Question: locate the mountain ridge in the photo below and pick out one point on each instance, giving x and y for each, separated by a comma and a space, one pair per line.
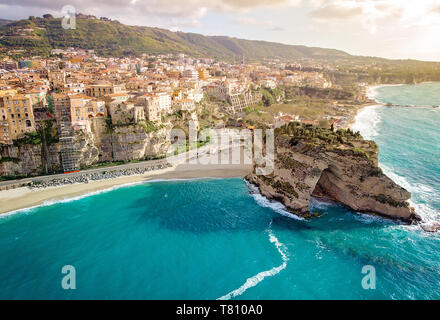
5, 22
112, 38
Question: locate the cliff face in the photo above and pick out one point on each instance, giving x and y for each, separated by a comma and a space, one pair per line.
28, 160
126, 143
337, 166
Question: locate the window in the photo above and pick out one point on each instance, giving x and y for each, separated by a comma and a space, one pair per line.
28, 123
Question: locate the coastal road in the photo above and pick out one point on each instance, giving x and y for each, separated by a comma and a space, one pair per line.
20, 182
179, 161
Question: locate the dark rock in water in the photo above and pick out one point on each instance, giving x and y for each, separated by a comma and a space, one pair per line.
431, 227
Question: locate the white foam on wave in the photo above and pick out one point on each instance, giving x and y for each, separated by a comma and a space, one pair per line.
274, 205
255, 280
367, 121
70, 199
372, 92
368, 218
89, 194
427, 213
321, 203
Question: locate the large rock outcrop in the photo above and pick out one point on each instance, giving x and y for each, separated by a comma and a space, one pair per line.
341, 166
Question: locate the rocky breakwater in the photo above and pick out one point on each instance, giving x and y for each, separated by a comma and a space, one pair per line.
87, 177
339, 166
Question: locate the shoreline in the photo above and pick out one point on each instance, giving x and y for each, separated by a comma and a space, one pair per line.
20, 199
370, 93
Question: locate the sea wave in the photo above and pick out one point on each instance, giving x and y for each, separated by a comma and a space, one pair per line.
369, 218
256, 279
321, 203
367, 122
427, 213
274, 205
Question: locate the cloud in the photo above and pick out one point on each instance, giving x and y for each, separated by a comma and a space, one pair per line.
335, 11
165, 13
252, 22
373, 13
276, 29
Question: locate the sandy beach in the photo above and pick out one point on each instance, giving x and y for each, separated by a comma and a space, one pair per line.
24, 197
370, 92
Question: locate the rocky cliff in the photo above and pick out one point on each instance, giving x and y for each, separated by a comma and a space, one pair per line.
340, 166
27, 160
94, 145
124, 143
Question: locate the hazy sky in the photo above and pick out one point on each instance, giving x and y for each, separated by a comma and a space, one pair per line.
386, 28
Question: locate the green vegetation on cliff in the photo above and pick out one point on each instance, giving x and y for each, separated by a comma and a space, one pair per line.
111, 38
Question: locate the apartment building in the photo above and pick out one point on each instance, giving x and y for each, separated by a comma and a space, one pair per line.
203, 74
16, 117
126, 113
71, 109
79, 110
96, 108
184, 105
104, 88
190, 74
151, 104
164, 102
57, 78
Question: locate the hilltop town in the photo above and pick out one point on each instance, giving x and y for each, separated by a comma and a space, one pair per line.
75, 109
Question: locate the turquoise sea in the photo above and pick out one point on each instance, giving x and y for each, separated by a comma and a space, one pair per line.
211, 238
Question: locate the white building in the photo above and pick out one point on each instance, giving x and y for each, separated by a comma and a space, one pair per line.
190, 74
164, 102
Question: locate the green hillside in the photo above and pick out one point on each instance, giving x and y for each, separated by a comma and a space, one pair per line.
116, 39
